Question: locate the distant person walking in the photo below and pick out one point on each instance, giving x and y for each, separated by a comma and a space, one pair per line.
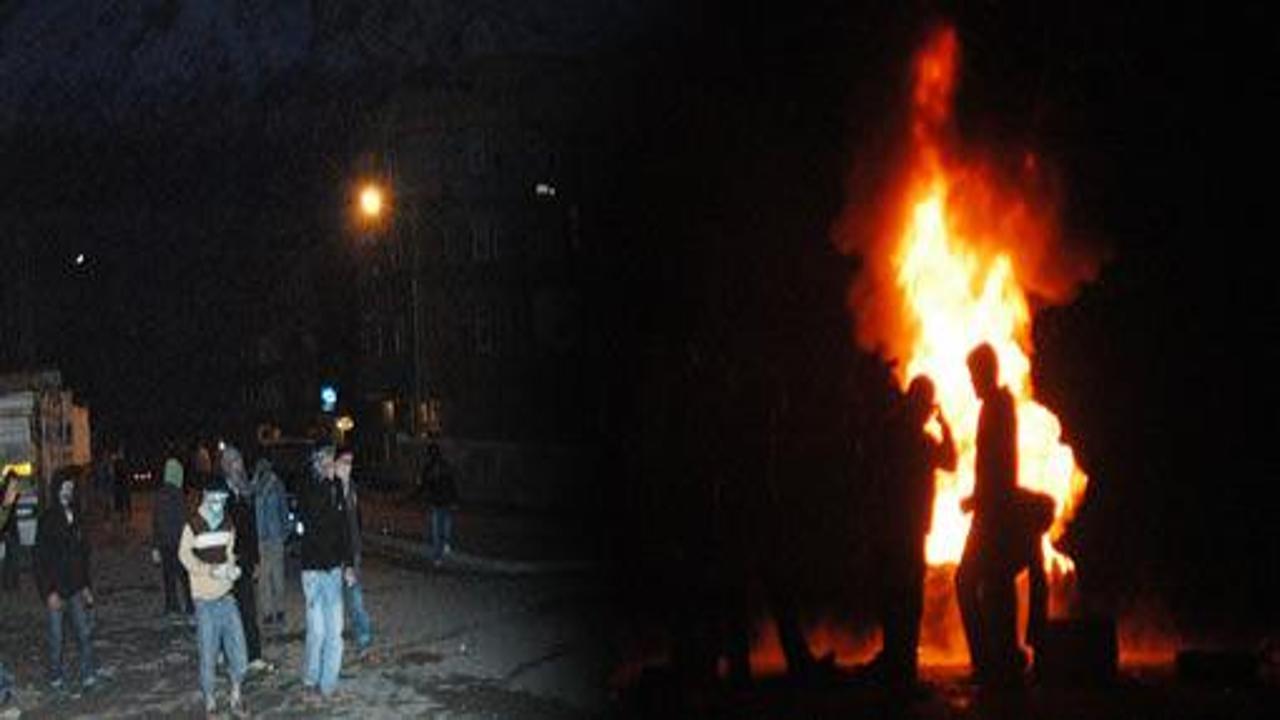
985, 577
273, 529
353, 591
104, 487
123, 492
207, 551
62, 575
168, 518
326, 565
437, 484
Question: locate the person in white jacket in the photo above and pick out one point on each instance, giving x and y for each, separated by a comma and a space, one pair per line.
207, 551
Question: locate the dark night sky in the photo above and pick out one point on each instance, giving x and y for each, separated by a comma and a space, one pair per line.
749, 121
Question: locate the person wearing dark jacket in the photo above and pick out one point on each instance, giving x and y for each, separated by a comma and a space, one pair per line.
10, 498
441, 492
353, 590
985, 589
327, 563
19, 515
167, 521
244, 518
906, 498
273, 529
62, 576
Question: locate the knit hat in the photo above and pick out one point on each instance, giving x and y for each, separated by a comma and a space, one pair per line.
215, 485
173, 473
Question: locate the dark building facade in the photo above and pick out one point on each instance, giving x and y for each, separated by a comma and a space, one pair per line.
475, 319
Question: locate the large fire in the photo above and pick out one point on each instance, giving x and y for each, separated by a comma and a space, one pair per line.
955, 266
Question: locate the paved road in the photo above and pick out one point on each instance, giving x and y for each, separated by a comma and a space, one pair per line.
450, 644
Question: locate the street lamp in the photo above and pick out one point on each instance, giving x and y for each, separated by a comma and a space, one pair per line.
373, 209
371, 201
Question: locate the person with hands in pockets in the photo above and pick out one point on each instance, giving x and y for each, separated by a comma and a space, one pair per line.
62, 574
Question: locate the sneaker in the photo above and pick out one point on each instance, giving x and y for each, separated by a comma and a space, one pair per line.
57, 684
237, 704
210, 706
261, 666
339, 696
311, 697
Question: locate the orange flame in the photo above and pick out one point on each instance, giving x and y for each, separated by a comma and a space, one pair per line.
953, 268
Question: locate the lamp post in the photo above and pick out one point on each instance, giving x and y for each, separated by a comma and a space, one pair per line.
371, 201
374, 208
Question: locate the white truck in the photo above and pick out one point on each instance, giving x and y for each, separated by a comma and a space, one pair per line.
42, 430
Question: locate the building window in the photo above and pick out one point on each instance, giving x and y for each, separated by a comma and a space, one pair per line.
484, 240
397, 338
479, 152
495, 241
485, 330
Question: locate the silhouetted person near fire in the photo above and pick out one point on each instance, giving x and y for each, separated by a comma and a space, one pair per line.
907, 495
985, 578
1034, 515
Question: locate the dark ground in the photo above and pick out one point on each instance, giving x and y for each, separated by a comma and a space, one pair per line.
1141, 692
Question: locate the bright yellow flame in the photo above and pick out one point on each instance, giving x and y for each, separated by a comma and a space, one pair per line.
22, 469
371, 201
955, 273
958, 300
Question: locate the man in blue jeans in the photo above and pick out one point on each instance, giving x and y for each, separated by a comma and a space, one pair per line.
62, 574
353, 591
437, 484
326, 564
207, 551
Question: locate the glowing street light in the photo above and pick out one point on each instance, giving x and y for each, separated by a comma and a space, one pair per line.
371, 201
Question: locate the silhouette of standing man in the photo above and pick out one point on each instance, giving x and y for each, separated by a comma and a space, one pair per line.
907, 501
985, 579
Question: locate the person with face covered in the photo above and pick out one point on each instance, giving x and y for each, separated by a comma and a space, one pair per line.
244, 518
207, 551
168, 517
62, 575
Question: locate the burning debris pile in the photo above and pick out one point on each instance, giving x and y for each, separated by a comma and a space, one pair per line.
957, 251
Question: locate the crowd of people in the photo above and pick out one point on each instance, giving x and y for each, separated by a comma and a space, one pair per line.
221, 556
727, 574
